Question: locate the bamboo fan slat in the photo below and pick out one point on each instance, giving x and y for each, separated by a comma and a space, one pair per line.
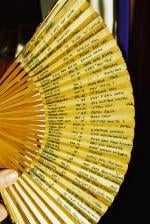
66, 120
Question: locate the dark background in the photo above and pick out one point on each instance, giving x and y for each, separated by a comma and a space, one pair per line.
132, 203
18, 21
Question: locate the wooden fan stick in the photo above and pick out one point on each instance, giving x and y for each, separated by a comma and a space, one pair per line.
76, 39
7, 73
25, 206
26, 112
19, 141
51, 60
40, 122
23, 81
44, 206
60, 172
52, 22
39, 106
29, 102
67, 172
57, 212
81, 194
29, 152
26, 186
44, 27
88, 14
25, 130
31, 220
24, 141
28, 137
12, 146
23, 84
51, 42
46, 181
15, 80
22, 186
10, 162
21, 218
32, 116
11, 203
22, 95
29, 128
10, 76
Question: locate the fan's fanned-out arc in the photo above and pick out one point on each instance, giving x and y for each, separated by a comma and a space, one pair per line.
66, 120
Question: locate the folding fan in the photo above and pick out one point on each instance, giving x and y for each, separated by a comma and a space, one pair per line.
66, 120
